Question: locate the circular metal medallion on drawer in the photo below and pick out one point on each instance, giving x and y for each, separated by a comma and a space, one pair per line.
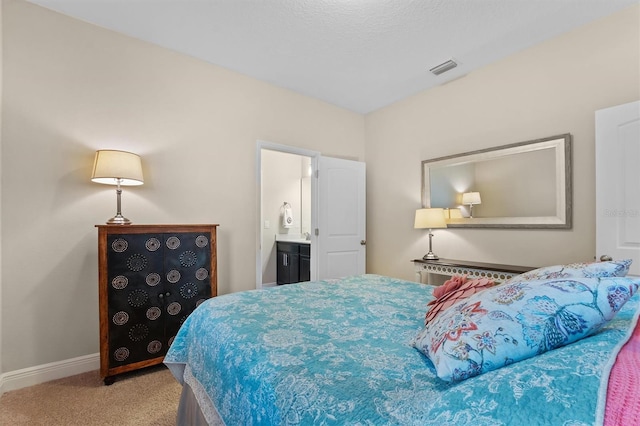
153, 313
137, 262
173, 243
153, 279
120, 318
173, 276
189, 290
202, 274
154, 347
201, 241
137, 298
119, 282
119, 245
138, 332
174, 308
152, 244
121, 354
188, 258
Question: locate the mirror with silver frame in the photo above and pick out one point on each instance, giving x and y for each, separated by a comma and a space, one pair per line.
520, 185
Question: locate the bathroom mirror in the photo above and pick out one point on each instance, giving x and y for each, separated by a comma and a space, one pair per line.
520, 185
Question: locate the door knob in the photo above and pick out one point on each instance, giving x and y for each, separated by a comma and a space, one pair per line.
606, 258
363, 242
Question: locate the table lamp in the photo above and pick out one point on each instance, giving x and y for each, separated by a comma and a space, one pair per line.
430, 219
452, 213
471, 198
119, 168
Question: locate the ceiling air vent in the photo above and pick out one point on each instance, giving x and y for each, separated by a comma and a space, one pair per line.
444, 67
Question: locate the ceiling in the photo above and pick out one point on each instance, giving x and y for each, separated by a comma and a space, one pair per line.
358, 54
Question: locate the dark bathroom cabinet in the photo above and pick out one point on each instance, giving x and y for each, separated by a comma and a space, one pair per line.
293, 262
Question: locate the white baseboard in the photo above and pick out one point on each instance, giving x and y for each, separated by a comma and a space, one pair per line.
267, 285
44, 373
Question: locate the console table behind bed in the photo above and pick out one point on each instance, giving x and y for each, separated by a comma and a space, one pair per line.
426, 270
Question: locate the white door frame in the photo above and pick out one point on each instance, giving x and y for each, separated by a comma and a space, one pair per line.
314, 155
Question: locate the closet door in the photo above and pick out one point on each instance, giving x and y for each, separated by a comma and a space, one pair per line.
618, 183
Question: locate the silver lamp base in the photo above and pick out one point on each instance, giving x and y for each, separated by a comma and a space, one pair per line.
431, 255
118, 220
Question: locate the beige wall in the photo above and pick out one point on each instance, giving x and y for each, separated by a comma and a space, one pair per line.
549, 89
72, 88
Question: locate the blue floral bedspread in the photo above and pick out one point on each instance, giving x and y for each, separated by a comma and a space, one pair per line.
338, 352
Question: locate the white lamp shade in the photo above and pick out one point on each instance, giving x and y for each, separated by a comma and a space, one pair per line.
471, 198
430, 218
109, 166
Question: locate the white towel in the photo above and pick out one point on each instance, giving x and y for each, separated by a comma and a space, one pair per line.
287, 217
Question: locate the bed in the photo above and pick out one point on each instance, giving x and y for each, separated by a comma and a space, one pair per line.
343, 352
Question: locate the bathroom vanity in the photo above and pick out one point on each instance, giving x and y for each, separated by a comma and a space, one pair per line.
294, 260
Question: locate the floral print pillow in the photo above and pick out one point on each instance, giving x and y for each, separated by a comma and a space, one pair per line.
452, 291
518, 320
612, 268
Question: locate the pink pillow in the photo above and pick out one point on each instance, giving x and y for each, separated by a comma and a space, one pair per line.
452, 291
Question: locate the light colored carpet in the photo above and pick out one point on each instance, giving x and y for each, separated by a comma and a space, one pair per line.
145, 397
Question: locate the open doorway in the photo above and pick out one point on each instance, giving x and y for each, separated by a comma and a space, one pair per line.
284, 177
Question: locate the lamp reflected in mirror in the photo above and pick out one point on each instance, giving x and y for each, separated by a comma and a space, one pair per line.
471, 199
430, 219
452, 213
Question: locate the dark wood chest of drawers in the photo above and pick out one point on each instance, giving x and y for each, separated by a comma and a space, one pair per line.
151, 277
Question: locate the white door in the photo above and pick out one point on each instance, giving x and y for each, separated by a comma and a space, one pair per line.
618, 183
341, 218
